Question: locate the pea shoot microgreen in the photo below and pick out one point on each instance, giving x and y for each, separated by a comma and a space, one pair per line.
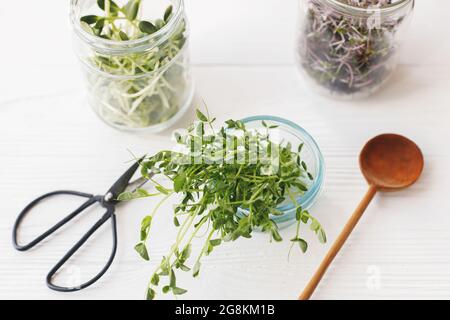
222, 195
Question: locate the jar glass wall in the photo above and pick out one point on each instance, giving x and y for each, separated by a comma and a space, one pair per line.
137, 83
349, 48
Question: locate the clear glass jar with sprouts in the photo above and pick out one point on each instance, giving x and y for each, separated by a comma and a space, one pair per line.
349, 48
135, 60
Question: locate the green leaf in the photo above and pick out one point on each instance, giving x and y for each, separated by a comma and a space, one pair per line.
231, 124
208, 249
186, 253
145, 227
298, 214
137, 194
150, 294
168, 13
178, 291
131, 9
142, 193
113, 7
276, 235
300, 147
90, 19
200, 129
147, 27
155, 279
215, 242
185, 268
288, 147
99, 25
240, 125
322, 236
315, 226
303, 245
159, 24
177, 137
166, 289
196, 269
304, 166
142, 250
165, 269
86, 27
172, 279
176, 222
276, 212
162, 190
264, 124
201, 116
305, 218
123, 36
179, 181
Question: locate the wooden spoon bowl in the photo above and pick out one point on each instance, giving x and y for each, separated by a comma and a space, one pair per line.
391, 162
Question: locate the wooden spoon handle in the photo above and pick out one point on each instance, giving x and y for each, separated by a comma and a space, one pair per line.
338, 243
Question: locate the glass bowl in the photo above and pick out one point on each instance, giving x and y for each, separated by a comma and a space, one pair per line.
288, 131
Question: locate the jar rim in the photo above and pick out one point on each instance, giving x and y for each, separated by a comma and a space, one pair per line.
127, 45
385, 10
308, 198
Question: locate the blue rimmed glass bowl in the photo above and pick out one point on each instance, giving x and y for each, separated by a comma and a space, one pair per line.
288, 131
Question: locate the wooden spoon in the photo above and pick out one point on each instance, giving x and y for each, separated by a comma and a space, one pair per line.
389, 162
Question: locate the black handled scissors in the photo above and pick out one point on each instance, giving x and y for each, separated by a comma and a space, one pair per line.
107, 201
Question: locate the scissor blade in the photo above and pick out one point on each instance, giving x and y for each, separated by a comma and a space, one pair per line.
138, 183
122, 183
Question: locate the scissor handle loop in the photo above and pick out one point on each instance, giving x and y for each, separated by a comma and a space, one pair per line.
108, 215
91, 200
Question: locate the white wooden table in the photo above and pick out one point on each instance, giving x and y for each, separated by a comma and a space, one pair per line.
242, 53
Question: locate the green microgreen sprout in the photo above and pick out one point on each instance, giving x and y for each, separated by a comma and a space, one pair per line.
155, 79
348, 54
227, 189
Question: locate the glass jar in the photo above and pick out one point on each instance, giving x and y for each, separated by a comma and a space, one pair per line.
349, 48
289, 132
139, 84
